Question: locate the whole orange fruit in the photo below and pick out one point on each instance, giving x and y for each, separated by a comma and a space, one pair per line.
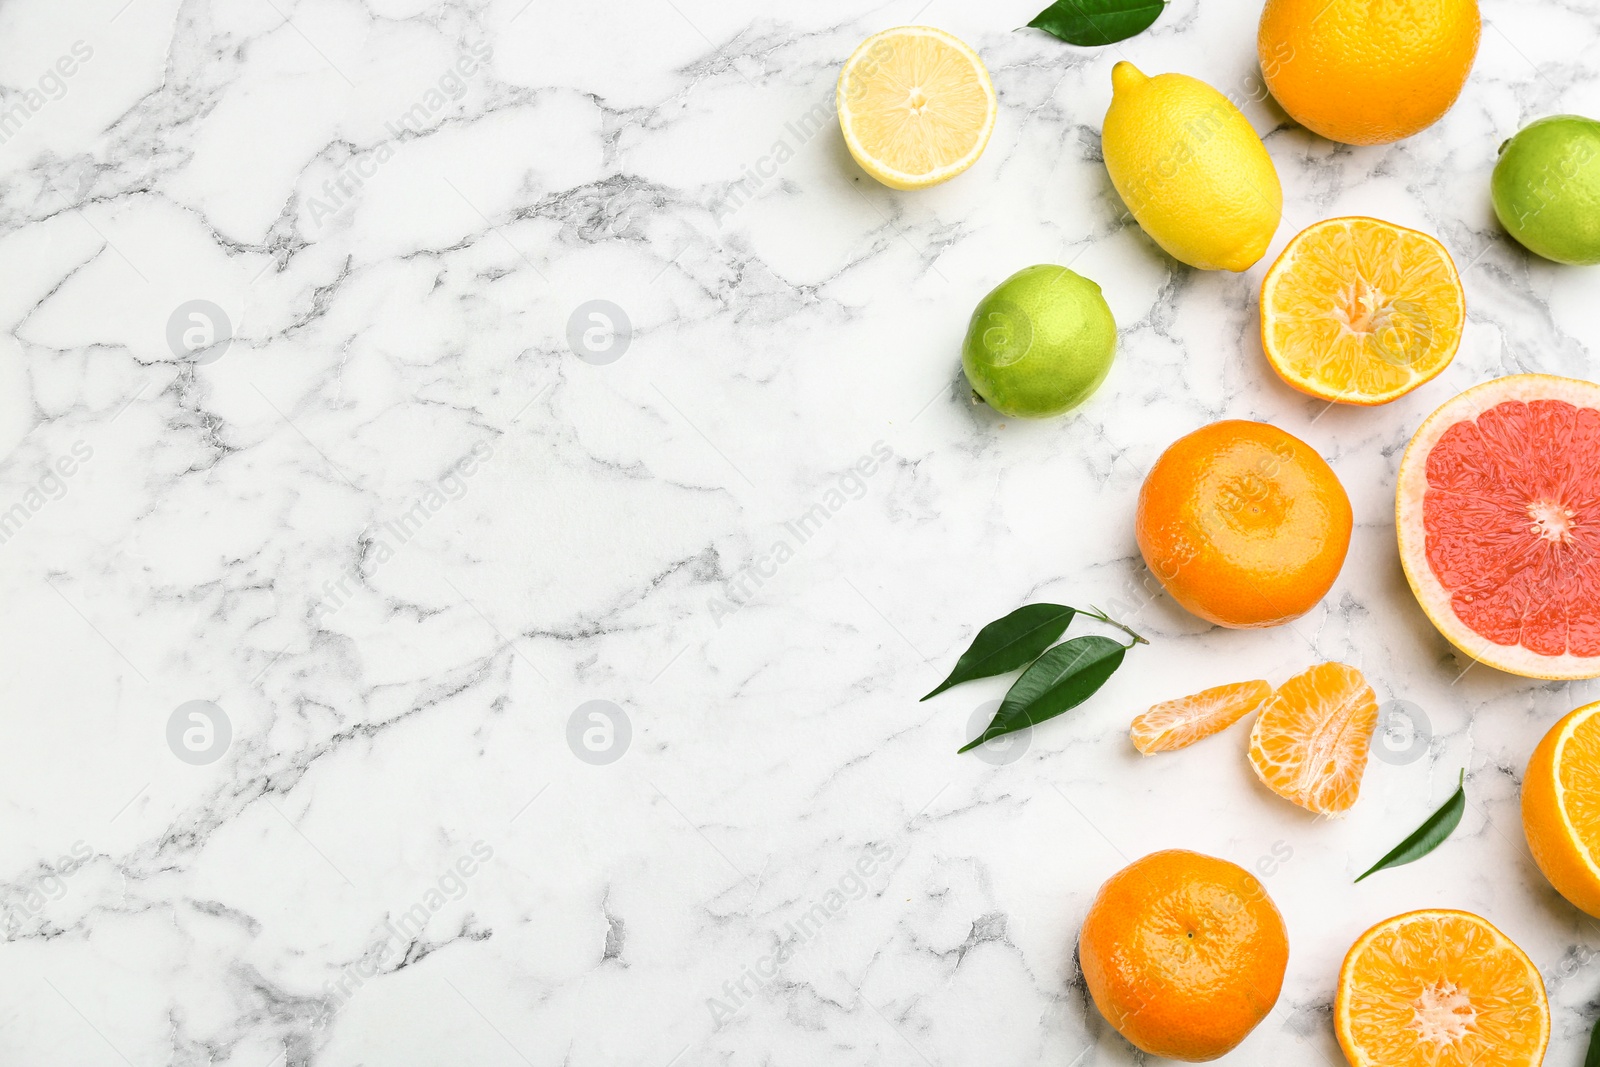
1183, 954
1244, 524
1367, 71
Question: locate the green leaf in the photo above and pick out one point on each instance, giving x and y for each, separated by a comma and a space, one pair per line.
1098, 22
1593, 1058
1008, 643
1058, 681
1431, 834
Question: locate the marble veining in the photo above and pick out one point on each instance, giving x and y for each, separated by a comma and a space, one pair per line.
485, 484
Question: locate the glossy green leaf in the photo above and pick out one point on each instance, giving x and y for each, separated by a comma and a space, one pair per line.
1593, 1058
1430, 835
1058, 681
1098, 22
1008, 643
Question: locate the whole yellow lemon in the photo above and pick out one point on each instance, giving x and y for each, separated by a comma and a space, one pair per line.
1190, 169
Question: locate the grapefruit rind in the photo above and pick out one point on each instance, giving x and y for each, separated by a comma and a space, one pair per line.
1431, 593
1342, 1019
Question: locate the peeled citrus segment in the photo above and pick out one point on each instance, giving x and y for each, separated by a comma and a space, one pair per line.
1361, 311
1561, 807
1440, 989
1175, 724
916, 106
1310, 742
1498, 516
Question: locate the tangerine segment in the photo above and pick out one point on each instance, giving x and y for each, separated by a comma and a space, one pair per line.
1440, 989
916, 106
1361, 311
1310, 742
1561, 807
1498, 513
1175, 724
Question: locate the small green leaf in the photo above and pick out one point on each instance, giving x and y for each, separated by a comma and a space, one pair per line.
1098, 22
1593, 1058
1008, 643
1431, 834
1058, 681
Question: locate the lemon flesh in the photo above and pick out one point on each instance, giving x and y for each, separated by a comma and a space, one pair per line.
916, 106
1191, 170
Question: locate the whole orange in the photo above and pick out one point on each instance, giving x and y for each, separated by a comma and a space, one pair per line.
1367, 71
1244, 524
1183, 954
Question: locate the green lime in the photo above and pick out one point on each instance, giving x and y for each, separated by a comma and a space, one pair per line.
1547, 188
1040, 343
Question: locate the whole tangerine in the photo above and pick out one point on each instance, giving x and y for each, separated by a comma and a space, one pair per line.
1183, 954
1244, 524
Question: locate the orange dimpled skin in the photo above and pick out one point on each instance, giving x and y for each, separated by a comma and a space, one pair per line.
1244, 524
1367, 71
1183, 954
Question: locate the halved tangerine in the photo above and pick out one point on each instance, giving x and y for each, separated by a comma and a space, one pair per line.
1310, 742
1498, 518
1440, 989
1174, 724
1361, 311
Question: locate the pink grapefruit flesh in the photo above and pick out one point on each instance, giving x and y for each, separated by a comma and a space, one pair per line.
1498, 516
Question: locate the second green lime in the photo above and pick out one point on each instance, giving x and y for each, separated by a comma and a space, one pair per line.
1040, 343
1547, 188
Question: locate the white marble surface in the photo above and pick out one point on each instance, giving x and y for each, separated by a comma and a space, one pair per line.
397, 532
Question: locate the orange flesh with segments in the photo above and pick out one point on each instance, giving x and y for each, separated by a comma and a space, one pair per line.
1311, 740
1440, 989
1175, 724
1361, 311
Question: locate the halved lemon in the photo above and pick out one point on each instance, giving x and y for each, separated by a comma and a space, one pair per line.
1561, 807
916, 106
1361, 311
1440, 989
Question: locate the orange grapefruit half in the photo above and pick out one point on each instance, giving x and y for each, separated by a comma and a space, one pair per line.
1498, 517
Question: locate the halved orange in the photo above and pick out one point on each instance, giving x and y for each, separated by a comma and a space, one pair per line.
1310, 742
1561, 807
1174, 724
916, 106
1440, 989
1361, 311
